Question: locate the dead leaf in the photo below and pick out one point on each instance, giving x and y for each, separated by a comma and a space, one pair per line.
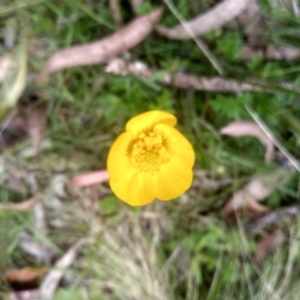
256, 207
257, 189
248, 128
5, 64
24, 275
51, 280
103, 50
14, 83
268, 245
91, 178
214, 19
25, 205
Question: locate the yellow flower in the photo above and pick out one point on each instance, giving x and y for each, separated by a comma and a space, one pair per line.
151, 159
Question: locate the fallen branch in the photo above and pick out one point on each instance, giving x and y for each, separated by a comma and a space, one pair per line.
182, 80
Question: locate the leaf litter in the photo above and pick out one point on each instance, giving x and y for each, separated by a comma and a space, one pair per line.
258, 189
24, 275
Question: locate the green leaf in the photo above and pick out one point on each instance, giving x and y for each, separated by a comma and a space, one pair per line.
109, 204
14, 83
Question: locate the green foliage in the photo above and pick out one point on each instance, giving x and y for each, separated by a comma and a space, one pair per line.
109, 205
229, 108
229, 45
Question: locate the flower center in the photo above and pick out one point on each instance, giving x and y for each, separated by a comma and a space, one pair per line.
149, 152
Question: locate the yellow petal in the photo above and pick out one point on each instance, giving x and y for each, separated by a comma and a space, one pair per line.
148, 120
173, 180
179, 148
127, 182
138, 190
119, 166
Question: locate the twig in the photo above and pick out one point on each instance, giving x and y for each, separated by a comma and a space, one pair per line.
119, 66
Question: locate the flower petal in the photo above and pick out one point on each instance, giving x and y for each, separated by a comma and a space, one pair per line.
140, 189
174, 179
149, 119
178, 146
119, 166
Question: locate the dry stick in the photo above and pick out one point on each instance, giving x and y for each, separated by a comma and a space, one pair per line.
121, 67
197, 40
271, 136
270, 218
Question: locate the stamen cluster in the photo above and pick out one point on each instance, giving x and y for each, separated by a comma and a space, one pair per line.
149, 152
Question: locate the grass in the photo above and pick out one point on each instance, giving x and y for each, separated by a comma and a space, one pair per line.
181, 249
